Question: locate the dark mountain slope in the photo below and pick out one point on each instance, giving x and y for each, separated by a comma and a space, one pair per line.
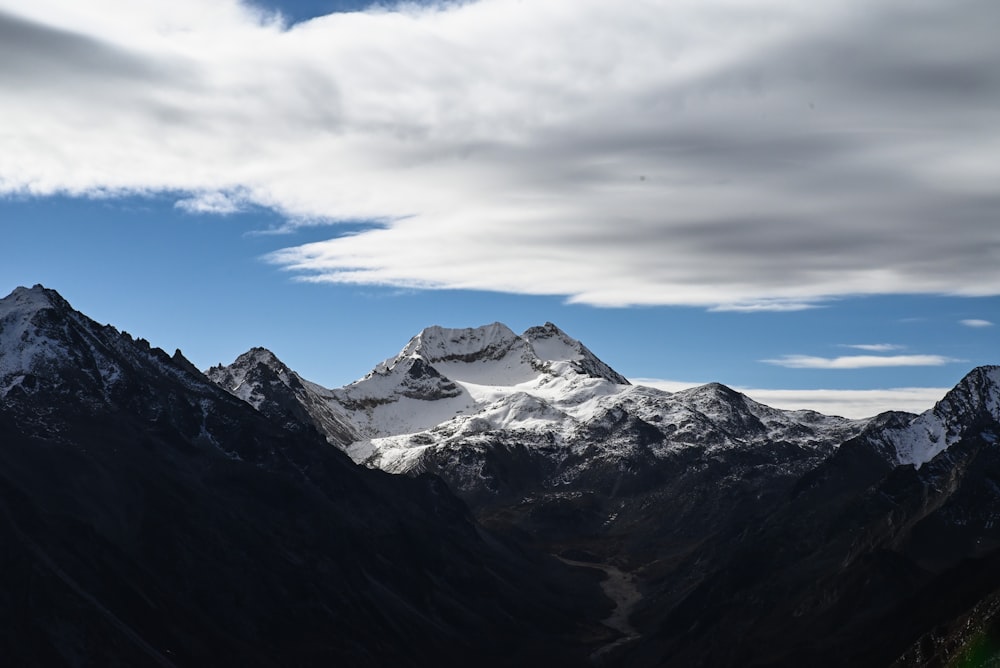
149, 518
864, 563
755, 536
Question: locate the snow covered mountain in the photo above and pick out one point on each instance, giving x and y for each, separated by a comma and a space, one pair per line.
442, 374
454, 400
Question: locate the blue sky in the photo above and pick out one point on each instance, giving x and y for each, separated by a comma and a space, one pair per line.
703, 193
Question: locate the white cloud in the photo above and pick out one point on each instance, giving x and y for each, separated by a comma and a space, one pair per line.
214, 202
858, 361
766, 306
874, 347
703, 152
976, 323
846, 403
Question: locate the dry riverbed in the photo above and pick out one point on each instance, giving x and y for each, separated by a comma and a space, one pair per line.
619, 587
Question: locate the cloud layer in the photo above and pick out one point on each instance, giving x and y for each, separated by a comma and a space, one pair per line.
651, 152
874, 347
858, 361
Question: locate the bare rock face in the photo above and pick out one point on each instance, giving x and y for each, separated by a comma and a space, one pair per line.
262, 380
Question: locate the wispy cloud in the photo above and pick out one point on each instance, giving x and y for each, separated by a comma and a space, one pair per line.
858, 361
767, 306
213, 202
650, 152
874, 347
846, 403
973, 322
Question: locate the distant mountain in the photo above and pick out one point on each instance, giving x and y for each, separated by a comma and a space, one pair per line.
469, 404
744, 535
148, 517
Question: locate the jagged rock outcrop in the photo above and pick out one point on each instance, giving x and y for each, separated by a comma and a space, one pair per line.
262, 380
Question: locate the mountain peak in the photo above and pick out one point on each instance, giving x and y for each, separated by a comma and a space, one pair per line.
982, 384
35, 298
266, 383
976, 397
548, 329
551, 344
47, 347
442, 344
255, 365
714, 389
974, 401
33, 331
260, 355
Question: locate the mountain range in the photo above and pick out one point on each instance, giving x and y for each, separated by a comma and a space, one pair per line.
511, 500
